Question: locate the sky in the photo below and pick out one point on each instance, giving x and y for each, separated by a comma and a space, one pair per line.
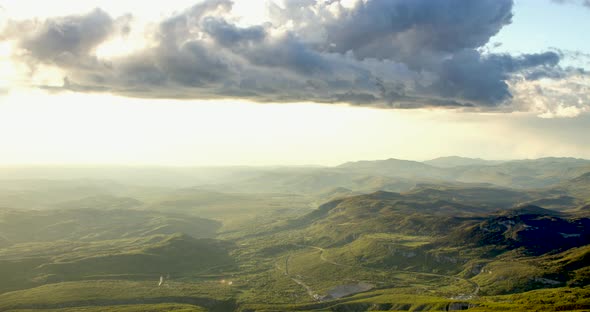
291, 82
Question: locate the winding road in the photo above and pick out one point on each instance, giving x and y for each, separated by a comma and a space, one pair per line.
316, 297
308, 289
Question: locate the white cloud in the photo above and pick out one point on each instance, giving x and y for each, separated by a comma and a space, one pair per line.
553, 98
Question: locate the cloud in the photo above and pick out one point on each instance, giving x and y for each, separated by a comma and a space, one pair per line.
72, 36
402, 30
554, 98
381, 53
67, 41
585, 3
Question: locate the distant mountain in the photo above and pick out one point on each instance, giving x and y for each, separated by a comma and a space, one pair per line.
534, 173
317, 181
42, 193
482, 196
395, 168
456, 161
361, 176
390, 163
100, 202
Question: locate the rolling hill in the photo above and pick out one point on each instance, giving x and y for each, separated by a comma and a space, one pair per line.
95, 224
456, 161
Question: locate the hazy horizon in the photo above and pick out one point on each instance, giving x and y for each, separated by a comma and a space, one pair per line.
278, 165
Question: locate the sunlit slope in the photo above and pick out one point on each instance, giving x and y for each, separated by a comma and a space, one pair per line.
127, 295
425, 232
558, 299
426, 211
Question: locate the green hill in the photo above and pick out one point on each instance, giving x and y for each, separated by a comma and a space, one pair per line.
98, 224
150, 257
176, 255
120, 294
427, 210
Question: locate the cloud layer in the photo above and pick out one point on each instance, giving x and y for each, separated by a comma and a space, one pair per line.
585, 3
382, 53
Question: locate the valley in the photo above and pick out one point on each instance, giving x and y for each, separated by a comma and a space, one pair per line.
388, 235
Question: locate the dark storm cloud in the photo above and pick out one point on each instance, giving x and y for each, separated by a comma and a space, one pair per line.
229, 35
483, 79
400, 30
383, 53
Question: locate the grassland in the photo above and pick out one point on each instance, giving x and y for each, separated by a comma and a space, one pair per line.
436, 247
210, 295
126, 308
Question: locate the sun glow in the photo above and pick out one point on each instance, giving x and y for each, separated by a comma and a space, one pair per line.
41, 127
125, 44
100, 128
6, 66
